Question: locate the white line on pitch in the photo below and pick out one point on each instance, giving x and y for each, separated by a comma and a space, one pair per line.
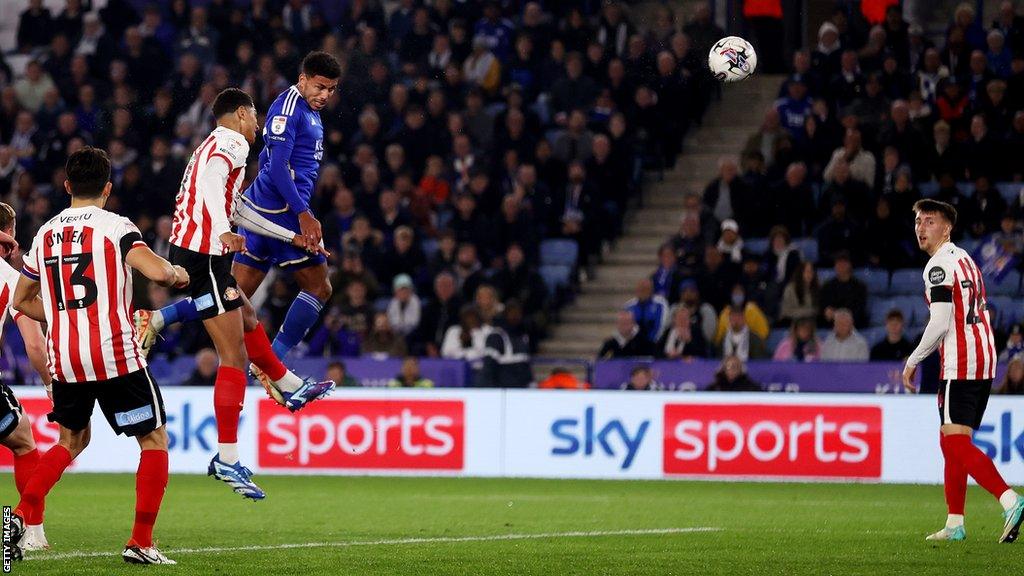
392, 542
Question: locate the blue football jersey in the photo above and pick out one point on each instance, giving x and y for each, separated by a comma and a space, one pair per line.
290, 160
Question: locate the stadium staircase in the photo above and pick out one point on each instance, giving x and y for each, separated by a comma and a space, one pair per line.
590, 319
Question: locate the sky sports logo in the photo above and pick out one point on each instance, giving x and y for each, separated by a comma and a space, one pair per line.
1000, 440
774, 440
364, 435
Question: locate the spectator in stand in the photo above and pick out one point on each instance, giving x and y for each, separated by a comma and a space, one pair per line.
801, 344
716, 276
702, 314
794, 108
205, 371
337, 372
404, 307
839, 233
984, 209
730, 244
667, 278
573, 92
894, 347
334, 337
467, 341
650, 310
628, 341
383, 340
738, 338
770, 136
1014, 346
826, 55
725, 195
801, 296
1013, 382
844, 292
683, 340
439, 314
641, 379
732, 377
410, 376
844, 344
860, 162
507, 359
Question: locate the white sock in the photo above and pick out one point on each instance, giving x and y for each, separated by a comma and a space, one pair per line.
228, 453
954, 520
156, 320
289, 382
1008, 499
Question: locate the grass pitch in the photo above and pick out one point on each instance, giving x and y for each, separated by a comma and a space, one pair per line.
437, 526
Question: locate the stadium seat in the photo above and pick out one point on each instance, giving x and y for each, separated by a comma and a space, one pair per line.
1009, 286
1006, 310
929, 189
968, 244
555, 276
429, 247
808, 247
873, 335
965, 188
914, 308
774, 337
1010, 191
824, 275
878, 308
877, 279
559, 252
906, 281
758, 246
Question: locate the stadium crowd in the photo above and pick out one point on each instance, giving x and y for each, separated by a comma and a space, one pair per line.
462, 136
803, 249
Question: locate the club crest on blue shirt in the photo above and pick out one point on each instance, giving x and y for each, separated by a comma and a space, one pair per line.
277, 124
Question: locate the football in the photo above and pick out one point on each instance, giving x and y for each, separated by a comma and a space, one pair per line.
732, 59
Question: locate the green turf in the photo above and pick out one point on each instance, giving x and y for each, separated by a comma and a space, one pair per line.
764, 528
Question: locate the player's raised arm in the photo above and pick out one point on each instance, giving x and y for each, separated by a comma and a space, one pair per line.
26, 298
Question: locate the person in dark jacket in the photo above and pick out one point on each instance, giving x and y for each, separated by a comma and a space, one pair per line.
732, 377
894, 346
507, 354
627, 341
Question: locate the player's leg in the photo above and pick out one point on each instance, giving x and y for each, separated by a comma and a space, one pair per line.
149, 323
314, 292
16, 434
963, 409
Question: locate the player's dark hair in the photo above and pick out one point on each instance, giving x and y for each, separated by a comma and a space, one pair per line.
927, 205
229, 100
6, 216
88, 171
321, 64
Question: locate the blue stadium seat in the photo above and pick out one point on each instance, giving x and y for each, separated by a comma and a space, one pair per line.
929, 189
968, 244
873, 335
824, 275
774, 337
495, 108
877, 279
808, 247
914, 308
1009, 286
1005, 310
560, 252
906, 281
757, 246
429, 247
878, 308
1010, 191
555, 276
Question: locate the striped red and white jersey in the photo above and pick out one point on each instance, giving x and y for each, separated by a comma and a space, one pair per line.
205, 204
8, 281
968, 350
86, 288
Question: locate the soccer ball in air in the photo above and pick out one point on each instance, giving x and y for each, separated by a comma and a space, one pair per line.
732, 59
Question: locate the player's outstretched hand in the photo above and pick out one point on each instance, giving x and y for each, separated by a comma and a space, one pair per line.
180, 276
234, 242
310, 228
908, 379
300, 242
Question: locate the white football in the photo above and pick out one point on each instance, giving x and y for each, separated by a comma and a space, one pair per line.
732, 59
